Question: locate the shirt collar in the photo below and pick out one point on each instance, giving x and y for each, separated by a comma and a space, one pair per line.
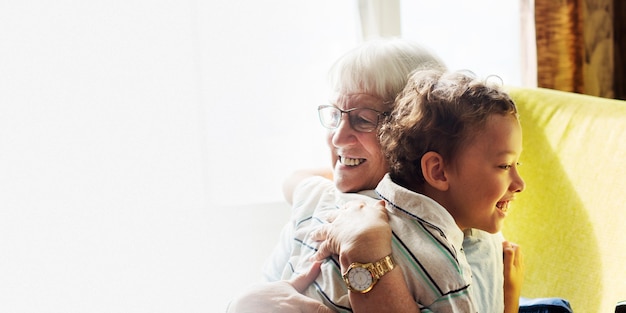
419, 206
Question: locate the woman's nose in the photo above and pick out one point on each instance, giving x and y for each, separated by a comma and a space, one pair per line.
344, 134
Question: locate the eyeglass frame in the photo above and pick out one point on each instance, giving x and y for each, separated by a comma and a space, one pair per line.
378, 115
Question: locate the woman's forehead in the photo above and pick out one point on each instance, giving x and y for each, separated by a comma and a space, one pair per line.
359, 99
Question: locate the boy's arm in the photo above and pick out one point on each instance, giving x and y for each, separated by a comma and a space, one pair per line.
289, 185
513, 276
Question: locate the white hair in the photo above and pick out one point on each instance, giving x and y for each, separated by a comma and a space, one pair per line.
381, 67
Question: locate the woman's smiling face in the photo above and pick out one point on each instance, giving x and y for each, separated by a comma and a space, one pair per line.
358, 161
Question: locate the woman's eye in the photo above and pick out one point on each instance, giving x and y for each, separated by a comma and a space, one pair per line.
364, 121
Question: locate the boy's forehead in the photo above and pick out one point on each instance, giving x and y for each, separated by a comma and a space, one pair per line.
503, 134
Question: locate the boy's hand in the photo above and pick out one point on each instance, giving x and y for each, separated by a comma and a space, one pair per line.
513, 275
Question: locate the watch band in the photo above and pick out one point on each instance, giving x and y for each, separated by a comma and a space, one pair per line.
382, 267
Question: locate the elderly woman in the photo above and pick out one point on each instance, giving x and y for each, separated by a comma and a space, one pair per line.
367, 80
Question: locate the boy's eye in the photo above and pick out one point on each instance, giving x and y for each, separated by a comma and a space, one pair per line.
509, 166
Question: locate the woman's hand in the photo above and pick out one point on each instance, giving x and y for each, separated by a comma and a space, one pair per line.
361, 233
280, 296
357, 233
513, 275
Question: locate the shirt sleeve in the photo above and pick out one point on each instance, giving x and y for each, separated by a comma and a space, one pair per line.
274, 265
484, 254
306, 195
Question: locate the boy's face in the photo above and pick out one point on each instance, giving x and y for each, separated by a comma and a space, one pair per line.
358, 162
484, 178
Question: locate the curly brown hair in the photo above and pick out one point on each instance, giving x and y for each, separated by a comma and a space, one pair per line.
437, 112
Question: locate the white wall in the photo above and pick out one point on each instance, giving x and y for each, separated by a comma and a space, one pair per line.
102, 157
480, 35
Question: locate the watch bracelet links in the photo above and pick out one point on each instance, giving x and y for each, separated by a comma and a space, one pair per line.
382, 266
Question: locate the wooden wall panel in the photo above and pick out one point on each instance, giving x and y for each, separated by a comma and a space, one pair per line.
558, 27
598, 42
619, 55
581, 46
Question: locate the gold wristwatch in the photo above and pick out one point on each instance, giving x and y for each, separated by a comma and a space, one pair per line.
362, 277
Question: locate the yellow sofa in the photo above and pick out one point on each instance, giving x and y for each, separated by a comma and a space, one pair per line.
571, 219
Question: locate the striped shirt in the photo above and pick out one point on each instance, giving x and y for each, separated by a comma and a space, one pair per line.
426, 243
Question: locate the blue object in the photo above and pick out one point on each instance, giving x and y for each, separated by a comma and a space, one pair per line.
544, 305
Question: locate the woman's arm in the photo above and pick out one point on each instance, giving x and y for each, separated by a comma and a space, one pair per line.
280, 297
361, 233
289, 185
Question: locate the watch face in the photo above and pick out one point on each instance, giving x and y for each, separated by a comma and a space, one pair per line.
360, 278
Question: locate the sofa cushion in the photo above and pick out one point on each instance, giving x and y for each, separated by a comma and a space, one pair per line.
569, 220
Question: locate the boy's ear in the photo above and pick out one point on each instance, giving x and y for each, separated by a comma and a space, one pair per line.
433, 170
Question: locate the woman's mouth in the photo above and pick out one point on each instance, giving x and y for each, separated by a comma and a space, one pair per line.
350, 161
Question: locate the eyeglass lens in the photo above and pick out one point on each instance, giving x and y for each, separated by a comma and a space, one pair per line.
361, 119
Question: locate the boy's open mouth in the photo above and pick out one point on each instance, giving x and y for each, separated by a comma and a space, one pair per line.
503, 206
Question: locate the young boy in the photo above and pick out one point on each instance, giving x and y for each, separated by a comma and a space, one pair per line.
452, 144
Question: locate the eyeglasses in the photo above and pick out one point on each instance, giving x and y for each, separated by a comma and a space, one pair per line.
363, 120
